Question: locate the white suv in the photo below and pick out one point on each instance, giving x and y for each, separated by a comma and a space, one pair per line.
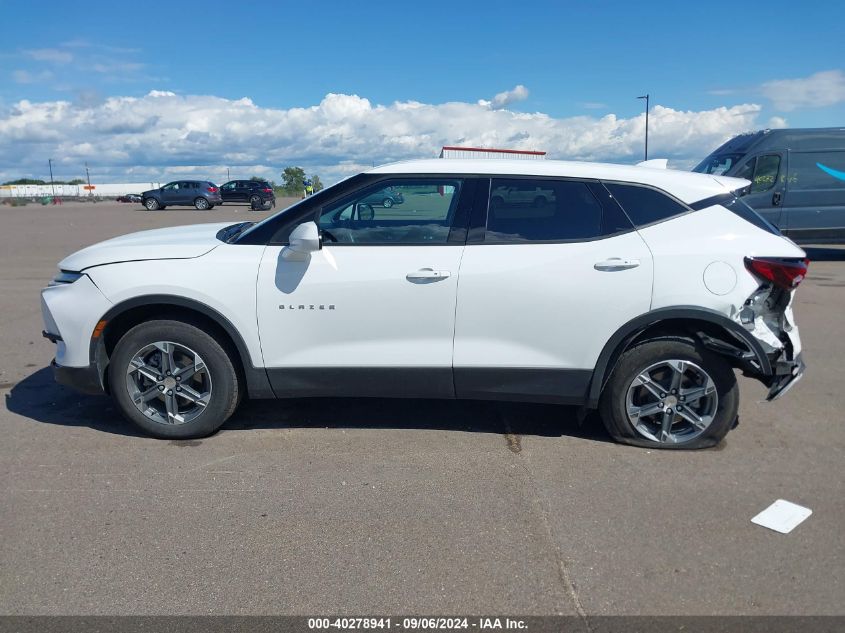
632, 290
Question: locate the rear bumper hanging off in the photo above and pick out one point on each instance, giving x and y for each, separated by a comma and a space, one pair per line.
787, 373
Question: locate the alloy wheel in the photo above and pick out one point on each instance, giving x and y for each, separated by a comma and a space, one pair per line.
672, 402
169, 383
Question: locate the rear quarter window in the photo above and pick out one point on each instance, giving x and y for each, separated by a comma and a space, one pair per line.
645, 205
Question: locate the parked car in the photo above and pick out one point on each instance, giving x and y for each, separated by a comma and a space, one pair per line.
130, 197
201, 194
517, 196
255, 192
386, 197
620, 294
797, 179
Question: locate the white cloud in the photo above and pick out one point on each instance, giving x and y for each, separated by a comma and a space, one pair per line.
163, 133
27, 77
51, 55
821, 89
504, 99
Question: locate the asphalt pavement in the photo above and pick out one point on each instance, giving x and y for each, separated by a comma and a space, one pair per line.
376, 506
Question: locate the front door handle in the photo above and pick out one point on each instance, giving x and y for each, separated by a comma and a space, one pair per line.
616, 263
427, 274
776, 196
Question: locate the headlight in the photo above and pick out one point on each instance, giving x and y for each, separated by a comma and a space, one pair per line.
65, 277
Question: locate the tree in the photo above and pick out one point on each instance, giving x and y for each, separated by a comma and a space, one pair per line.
294, 180
25, 181
318, 184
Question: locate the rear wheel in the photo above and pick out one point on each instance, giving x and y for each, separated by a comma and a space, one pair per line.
201, 203
670, 393
387, 203
173, 380
151, 204
254, 201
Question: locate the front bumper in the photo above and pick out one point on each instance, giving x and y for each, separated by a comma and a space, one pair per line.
787, 374
70, 313
83, 379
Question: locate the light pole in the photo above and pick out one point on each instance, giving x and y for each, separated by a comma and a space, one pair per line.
645, 96
88, 177
52, 186
228, 177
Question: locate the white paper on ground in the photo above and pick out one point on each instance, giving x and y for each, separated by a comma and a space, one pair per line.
782, 516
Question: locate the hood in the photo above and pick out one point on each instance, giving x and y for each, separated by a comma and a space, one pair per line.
180, 242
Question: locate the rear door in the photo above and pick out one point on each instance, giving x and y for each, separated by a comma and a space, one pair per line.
767, 173
815, 196
188, 190
543, 286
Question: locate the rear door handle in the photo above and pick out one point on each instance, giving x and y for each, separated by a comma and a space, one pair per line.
427, 274
616, 263
776, 196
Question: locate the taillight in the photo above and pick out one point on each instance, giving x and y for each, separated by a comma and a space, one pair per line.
784, 273
266, 190
213, 189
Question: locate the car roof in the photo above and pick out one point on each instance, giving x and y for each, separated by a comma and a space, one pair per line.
687, 186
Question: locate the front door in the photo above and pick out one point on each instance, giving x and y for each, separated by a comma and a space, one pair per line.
373, 311
767, 173
170, 193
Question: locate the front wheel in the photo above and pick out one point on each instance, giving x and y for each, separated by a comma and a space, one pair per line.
670, 393
173, 380
151, 204
387, 203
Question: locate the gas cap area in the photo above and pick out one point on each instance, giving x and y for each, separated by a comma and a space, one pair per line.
719, 278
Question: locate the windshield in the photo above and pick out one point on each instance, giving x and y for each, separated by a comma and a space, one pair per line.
323, 194
718, 164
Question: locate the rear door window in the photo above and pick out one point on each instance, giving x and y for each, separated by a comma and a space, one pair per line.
534, 210
645, 205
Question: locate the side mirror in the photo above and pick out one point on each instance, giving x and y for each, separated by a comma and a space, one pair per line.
305, 239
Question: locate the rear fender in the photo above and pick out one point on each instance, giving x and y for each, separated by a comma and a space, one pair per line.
735, 342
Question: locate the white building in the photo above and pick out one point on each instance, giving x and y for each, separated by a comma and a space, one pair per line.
110, 190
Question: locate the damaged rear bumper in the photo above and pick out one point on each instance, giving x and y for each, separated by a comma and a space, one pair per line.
787, 374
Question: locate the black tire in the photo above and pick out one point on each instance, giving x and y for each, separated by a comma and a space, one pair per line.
201, 204
613, 405
210, 207
255, 201
387, 203
151, 204
226, 389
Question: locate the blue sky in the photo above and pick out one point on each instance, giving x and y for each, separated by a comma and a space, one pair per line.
573, 60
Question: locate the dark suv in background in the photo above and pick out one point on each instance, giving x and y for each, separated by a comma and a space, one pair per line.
254, 192
201, 194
